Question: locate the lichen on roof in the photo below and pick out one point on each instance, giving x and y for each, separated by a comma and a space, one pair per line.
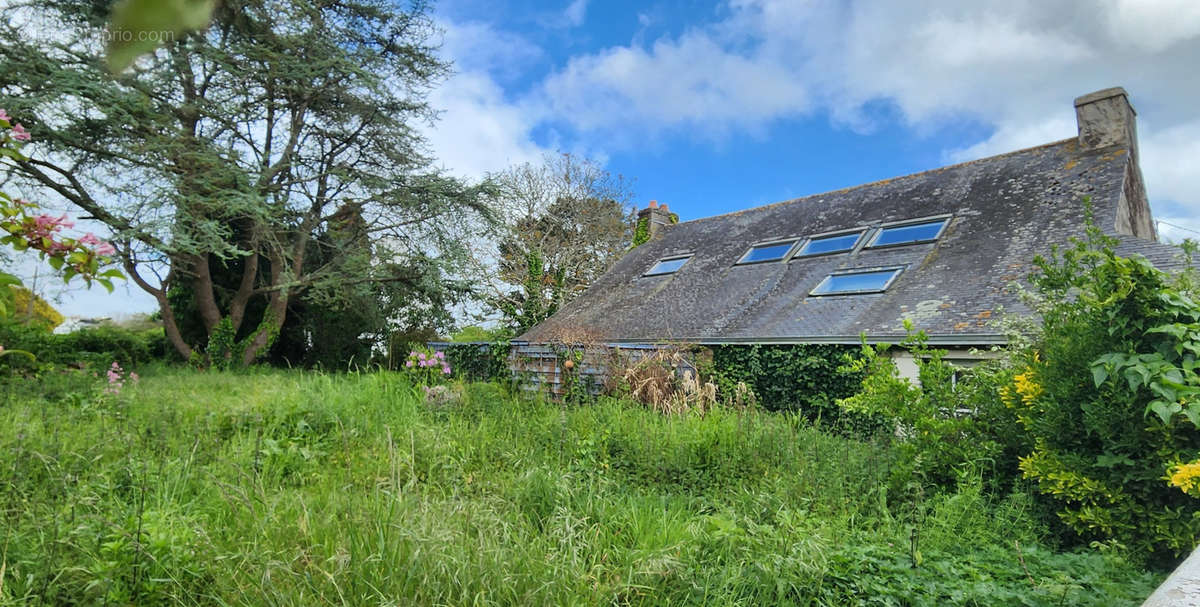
1004, 210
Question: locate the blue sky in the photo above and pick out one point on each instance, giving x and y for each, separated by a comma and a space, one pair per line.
718, 106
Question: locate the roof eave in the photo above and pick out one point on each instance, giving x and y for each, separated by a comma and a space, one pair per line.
964, 340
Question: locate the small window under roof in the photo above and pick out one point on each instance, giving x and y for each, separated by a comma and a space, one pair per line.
829, 244
909, 234
868, 281
767, 252
667, 266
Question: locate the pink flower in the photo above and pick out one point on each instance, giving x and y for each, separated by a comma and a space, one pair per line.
65, 222
105, 249
409, 364
45, 222
445, 370
19, 133
4, 115
89, 239
421, 356
134, 376
439, 354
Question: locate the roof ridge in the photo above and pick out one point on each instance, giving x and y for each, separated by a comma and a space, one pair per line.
881, 181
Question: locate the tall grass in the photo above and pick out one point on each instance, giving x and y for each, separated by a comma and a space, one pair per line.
289, 488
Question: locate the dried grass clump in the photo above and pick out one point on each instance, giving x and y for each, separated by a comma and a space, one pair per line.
664, 381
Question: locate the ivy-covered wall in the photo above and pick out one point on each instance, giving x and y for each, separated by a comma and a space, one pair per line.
477, 361
808, 378
794, 377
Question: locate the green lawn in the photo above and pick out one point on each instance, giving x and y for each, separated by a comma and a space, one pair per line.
289, 488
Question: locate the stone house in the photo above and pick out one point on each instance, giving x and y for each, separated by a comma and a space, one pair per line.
939, 248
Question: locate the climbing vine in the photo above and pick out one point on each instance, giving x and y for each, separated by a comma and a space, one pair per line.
795, 377
641, 232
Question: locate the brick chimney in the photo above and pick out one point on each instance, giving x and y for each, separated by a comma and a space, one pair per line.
1107, 119
655, 218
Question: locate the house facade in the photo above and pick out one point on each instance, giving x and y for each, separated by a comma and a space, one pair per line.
939, 249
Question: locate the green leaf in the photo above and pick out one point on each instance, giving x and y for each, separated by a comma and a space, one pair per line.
55, 262
106, 283
1108, 460
1164, 409
140, 26
1099, 373
1192, 413
9, 279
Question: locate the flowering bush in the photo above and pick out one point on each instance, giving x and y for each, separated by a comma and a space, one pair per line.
1107, 398
117, 378
427, 368
29, 229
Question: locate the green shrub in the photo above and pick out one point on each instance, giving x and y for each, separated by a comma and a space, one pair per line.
480, 361
935, 419
1107, 397
808, 378
95, 347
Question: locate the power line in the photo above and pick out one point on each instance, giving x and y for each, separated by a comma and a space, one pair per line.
1177, 227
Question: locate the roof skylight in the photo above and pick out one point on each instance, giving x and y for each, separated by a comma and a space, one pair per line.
767, 252
854, 282
829, 244
909, 234
667, 266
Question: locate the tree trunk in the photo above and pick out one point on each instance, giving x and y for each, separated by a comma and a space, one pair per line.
171, 328
276, 312
202, 289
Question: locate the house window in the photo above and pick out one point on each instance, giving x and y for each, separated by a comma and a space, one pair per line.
767, 252
858, 281
909, 234
829, 244
667, 266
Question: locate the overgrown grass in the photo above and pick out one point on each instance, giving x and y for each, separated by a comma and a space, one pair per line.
288, 488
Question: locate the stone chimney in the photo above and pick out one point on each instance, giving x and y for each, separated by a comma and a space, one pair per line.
1107, 119
654, 218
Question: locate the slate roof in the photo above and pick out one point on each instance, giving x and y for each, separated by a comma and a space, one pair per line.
1004, 210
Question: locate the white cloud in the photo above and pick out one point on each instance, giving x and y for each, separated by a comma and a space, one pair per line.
1171, 163
480, 129
1153, 25
1013, 66
477, 46
1017, 136
690, 82
576, 12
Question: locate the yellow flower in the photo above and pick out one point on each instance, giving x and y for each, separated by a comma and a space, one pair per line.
1186, 477
1027, 387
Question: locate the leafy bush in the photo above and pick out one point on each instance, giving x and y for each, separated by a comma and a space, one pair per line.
935, 419
1107, 396
480, 361
808, 378
97, 347
29, 308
